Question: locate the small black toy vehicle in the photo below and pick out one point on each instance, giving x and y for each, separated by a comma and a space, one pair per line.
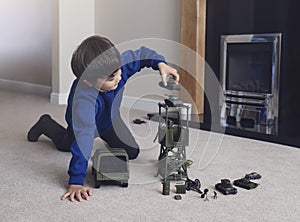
245, 183
226, 187
253, 176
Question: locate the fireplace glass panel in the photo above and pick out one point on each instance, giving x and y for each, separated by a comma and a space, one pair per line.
249, 67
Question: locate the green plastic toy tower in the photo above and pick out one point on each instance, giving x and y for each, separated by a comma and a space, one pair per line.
173, 137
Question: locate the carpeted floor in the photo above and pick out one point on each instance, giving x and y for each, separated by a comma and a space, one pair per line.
34, 175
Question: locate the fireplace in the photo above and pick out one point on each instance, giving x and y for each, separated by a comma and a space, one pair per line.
249, 69
237, 18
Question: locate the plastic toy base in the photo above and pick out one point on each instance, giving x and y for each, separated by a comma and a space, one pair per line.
111, 182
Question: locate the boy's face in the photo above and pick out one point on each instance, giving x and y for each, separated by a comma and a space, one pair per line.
110, 83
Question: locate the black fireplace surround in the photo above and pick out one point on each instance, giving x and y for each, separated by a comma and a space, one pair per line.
236, 17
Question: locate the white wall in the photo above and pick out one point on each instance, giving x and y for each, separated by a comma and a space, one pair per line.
25, 41
39, 36
130, 24
126, 20
73, 21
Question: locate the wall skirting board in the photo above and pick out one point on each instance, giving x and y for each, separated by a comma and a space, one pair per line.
59, 98
25, 87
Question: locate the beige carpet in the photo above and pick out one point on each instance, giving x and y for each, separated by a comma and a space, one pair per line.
34, 175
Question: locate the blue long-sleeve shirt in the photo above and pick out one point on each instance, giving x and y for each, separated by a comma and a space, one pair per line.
89, 109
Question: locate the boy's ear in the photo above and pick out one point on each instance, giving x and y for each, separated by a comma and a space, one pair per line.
87, 82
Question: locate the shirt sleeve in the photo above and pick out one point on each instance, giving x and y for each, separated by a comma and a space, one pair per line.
83, 121
134, 61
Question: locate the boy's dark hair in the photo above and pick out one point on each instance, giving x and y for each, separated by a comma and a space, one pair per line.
96, 57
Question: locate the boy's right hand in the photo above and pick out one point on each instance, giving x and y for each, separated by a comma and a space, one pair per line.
77, 192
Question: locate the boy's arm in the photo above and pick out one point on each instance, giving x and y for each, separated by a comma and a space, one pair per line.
134, 61
83, 122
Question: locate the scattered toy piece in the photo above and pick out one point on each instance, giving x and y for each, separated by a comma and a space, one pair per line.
166, 187
138, 121
180, 188
253, 176
226, 187
245, 183
204, 195
193, 185
177, 197
215, 195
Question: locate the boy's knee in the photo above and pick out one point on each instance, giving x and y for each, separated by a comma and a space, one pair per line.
64, 148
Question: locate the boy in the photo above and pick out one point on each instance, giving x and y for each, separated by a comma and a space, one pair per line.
93, 104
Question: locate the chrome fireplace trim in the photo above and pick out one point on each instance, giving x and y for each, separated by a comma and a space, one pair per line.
246, 99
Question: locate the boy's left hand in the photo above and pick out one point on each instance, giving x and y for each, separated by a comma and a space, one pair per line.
77, 192
166, 70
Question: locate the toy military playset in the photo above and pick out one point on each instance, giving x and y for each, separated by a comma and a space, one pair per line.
111, 166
